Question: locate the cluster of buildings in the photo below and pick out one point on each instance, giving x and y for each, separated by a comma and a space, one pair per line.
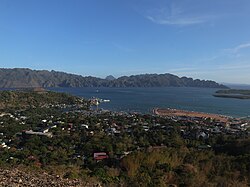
105, 121
203, 128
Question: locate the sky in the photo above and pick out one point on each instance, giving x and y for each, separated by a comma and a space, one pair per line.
205, 39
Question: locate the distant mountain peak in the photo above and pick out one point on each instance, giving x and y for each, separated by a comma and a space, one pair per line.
110, 78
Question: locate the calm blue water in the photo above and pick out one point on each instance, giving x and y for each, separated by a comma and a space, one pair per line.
145, 99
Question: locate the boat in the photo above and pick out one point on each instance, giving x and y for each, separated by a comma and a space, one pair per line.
105, 100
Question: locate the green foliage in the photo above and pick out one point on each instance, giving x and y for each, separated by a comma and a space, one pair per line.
158, 156
29, 99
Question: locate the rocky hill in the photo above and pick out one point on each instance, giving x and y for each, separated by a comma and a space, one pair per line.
16, 178
22, 78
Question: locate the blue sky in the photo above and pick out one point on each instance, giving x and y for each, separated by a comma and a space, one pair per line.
206, 39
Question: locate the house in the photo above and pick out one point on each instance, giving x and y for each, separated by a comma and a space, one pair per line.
202, 135
124, 154
23, 117
30, 132
216, 130
53, 126
3, 145
145, 127
70, 126
46, 130
100, 156
85, 126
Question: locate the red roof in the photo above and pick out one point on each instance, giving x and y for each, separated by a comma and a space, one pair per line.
100, 156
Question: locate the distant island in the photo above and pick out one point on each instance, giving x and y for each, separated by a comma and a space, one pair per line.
25, 78
233, 93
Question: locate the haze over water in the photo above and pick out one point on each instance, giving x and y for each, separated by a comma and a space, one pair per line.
145, 99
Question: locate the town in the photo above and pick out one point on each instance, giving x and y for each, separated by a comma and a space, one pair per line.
85, 139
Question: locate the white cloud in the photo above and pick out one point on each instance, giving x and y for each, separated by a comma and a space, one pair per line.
239, 66
238, 48
182, 21
226, 55
177, 14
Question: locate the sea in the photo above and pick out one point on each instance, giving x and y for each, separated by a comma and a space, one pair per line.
144, 100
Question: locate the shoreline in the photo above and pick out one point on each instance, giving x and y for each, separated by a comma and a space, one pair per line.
243, 97
169, 112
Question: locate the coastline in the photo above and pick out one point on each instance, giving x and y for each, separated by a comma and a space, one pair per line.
232, 96
169, 112
143, 100
233, 93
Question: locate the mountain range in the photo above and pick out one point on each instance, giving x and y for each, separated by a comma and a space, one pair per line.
23, 77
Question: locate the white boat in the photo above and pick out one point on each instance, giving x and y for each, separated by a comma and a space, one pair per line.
106, 100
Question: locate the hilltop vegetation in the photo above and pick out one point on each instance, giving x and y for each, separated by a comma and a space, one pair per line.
32, 99
19, 78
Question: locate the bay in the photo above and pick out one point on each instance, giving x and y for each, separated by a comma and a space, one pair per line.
143, 100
